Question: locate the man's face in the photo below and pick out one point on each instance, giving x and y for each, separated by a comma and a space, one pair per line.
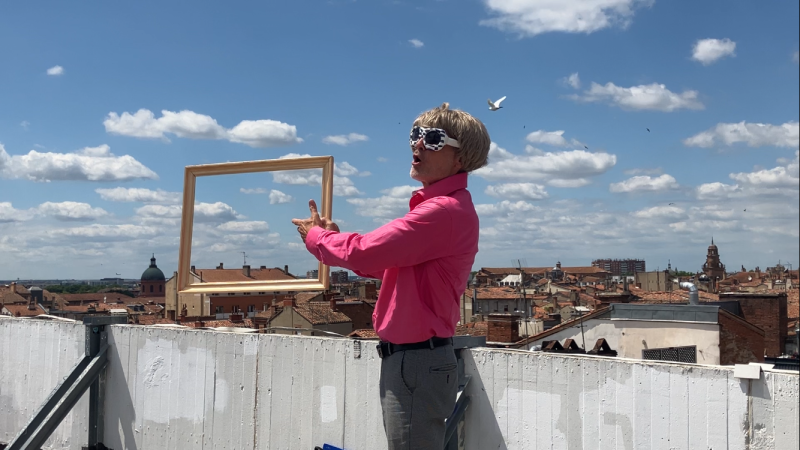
429, 166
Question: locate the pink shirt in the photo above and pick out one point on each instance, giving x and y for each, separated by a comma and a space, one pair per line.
423, 259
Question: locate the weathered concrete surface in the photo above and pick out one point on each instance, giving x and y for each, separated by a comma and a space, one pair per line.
35, 355
187, 389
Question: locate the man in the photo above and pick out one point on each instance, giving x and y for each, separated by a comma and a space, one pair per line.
424, 260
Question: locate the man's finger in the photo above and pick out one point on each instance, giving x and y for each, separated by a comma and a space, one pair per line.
312, 205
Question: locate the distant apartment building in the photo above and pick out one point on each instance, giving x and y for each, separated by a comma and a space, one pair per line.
620, 266
312, 274
339, 277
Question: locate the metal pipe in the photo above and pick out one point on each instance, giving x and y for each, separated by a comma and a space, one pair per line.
694, 298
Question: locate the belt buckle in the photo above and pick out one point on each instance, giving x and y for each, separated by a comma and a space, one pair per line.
384, 350
380, 351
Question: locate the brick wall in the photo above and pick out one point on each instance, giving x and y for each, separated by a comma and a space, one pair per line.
766, 311
360, 313
739, 341
502, 328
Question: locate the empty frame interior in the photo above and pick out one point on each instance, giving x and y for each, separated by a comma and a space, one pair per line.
190, 283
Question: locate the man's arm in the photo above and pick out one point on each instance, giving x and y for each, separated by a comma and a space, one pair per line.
421, 235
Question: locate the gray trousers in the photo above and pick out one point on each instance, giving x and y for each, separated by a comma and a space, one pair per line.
418, 392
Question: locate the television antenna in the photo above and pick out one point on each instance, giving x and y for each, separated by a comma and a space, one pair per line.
244, 256
521, 263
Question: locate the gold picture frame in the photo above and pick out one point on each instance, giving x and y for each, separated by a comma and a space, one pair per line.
187, 223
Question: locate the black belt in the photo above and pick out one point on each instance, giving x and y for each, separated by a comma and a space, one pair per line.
385, 349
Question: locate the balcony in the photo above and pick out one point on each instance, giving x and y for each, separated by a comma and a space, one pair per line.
189, 389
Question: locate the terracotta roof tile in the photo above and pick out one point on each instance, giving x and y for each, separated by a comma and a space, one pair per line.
364, 333
473, 329
321, 313
20, 310
232, 275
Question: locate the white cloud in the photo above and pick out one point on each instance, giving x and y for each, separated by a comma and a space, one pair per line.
277, 197
573, 81
88, 164
342, 185
533, 17
526, 191
778, 177
708, 51
716, 190
25, 124
253, 190
504, 208
55, 71
9, 214
555, 138
669, 213
255, 226
644, 183
655, 97
121, 194
101, 232
203, 212
497, 153
560, 169
643, 171
753, 134
345, 139
71, 211
391, 205
416, 43
191, 125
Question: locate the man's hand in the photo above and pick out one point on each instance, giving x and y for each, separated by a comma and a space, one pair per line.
304, 225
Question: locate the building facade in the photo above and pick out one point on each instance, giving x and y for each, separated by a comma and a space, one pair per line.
621, 266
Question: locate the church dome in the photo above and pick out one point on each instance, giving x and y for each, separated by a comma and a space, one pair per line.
153, 273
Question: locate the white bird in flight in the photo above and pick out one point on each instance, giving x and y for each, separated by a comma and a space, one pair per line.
494, 106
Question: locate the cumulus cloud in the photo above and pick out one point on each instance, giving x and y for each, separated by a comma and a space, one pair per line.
55, 71
560, 169
526, 191
203, 212
652, 97
143, 195
554, 138
533, 17
10, 214
782, 176
71, 211
573, 81
708, 51
255, 226
191, 125
416, 43
278, 197
104, 233
253, 190
670, 213
391, 205
88, 164
345, 139
779, 182
645, 183
504, 208
343, 186
752, 134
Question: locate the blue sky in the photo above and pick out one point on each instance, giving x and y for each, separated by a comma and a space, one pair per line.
103, 105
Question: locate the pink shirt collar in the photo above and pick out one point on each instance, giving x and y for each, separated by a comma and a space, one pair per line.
445, 186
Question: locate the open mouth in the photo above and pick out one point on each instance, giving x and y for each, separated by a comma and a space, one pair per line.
416, 160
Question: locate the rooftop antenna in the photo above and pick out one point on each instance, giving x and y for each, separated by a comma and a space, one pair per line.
522, 290
244, 256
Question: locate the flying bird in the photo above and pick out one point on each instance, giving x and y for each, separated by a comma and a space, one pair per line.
494, 106
745, 210
648, 130
587, 148
672, 203
119, 274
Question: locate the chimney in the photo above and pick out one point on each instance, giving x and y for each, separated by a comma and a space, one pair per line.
263, 267
236, 317
333, 303
14, 287
31, 303
286, 269
191, 269
289, 302
246, 271
558, 265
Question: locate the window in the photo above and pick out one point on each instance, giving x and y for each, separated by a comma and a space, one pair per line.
251, 308
219, 309
678, 354
151, 288
236, 308
160, 288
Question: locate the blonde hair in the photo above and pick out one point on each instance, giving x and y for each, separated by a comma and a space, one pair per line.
467, 130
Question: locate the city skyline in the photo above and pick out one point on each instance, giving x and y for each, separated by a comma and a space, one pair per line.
622, 135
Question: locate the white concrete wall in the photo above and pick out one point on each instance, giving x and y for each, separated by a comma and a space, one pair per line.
35, 355
186, 389
526, 400
630, 337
